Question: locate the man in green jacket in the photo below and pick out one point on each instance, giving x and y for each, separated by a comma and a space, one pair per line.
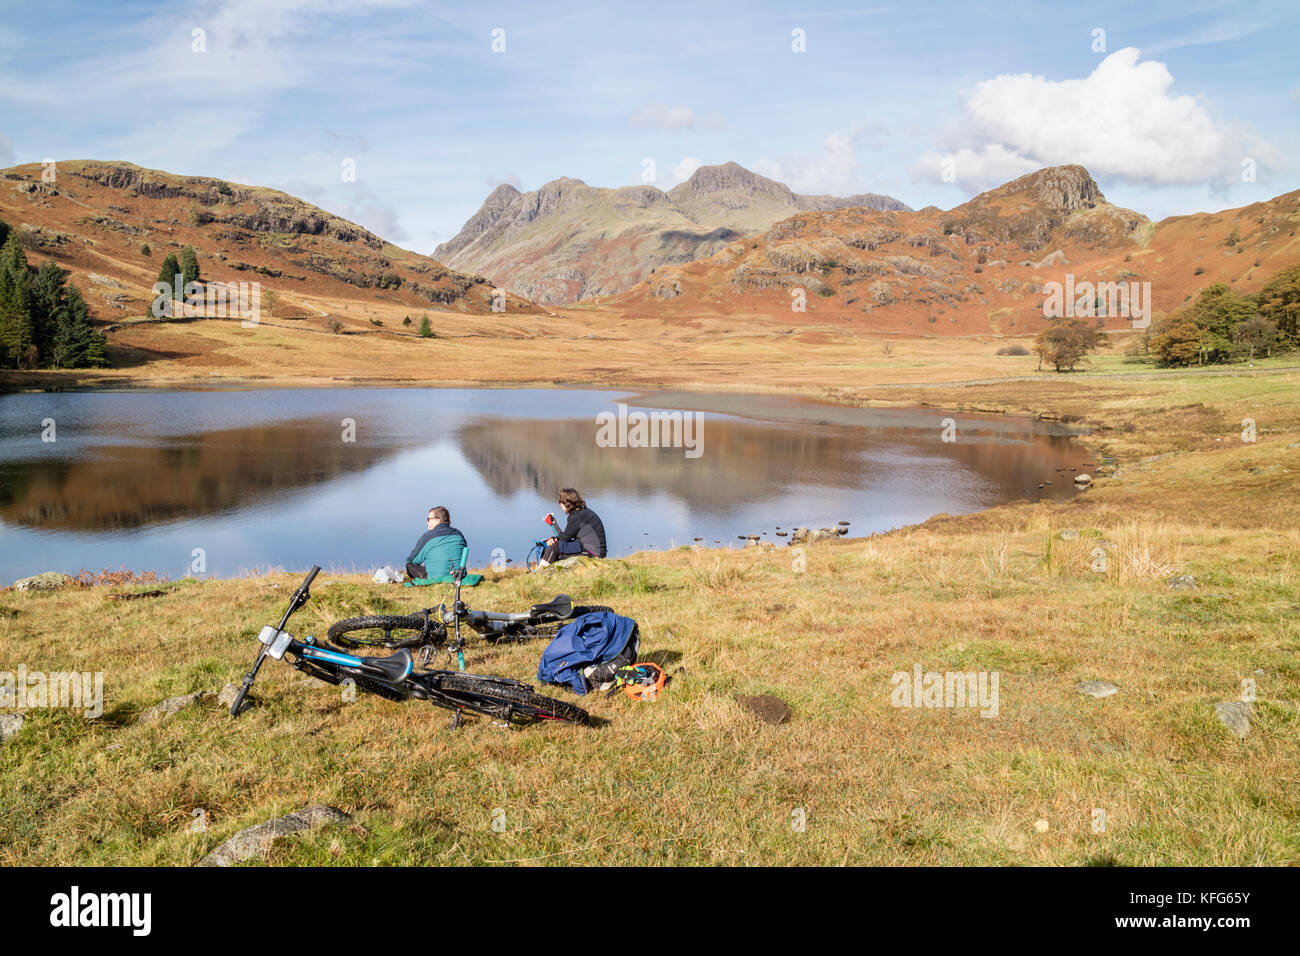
438, 551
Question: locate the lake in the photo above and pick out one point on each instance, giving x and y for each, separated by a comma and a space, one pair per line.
343, 478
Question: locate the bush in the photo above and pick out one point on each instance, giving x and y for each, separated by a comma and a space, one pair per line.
145, 250
334, 325
1014, 350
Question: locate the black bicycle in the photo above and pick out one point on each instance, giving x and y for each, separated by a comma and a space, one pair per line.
395, 677
440, 627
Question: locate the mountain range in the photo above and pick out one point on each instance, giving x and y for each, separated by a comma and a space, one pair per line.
568, 241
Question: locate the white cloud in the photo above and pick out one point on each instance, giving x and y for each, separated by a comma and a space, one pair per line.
835, 170
1120, 121
663, 117
683, 170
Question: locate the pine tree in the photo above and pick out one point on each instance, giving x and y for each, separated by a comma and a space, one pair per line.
48, 296
189, 266
170, 269
16, 338
76, 343
426, 330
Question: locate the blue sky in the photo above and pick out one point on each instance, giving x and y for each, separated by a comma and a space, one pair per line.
926, 102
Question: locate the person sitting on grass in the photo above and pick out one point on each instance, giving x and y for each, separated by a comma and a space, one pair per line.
584, 533
437, 553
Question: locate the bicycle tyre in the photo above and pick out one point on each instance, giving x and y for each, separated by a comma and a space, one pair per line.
548, 629
342, 632
514, 697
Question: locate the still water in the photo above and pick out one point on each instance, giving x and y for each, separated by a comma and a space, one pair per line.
157, 480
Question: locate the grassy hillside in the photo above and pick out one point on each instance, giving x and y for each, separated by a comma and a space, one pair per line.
695, 778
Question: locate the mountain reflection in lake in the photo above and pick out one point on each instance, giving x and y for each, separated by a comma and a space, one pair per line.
343, 478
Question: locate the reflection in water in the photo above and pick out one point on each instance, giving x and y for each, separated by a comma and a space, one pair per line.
749, 463
257, 478
131, 486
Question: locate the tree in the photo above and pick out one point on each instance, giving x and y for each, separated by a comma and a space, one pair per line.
16, 326
189, 266
426, 330
76, 343
1177, 341
1064, 343
1279, 300
145, 250
168, 273
1257, 333
407, 321
49, 292
271, 298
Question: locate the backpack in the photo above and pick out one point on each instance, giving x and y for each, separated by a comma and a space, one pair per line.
589, 650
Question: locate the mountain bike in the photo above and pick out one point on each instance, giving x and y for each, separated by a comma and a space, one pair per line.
395, 677
440, 627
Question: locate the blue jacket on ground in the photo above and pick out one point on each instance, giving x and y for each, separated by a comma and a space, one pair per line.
438, 550
590, 639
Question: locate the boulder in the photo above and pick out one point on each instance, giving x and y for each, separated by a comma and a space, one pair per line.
1182, 582
45, 581
10, 724
257, 840
1097, 688
1083, 479
1235, 715
170, 706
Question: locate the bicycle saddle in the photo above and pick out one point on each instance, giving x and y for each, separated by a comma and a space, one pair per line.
559, 607
394, 668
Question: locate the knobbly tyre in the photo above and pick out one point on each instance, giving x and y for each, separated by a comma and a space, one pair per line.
395, 677
427, 630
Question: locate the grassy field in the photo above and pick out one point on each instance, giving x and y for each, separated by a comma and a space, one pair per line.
695, 778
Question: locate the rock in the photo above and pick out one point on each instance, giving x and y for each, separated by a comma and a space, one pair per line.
45, 581
767, 708
804, 535
1083, 478
257, 840
1069, 535
1235, 715
227, 696
10, 724
1182, 582
169, 706
1097, 688
1041, 826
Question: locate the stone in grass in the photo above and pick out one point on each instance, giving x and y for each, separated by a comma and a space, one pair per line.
769, 709
227, 697
1069, 535
10, 724
1235, 715
169, 706
1182, 582
45, 581
258, 839
1097, 688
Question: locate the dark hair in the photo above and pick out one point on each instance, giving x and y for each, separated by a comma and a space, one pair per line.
570, 499
441, 514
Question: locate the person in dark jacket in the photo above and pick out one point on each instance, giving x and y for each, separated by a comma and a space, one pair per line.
438, 550
583, 534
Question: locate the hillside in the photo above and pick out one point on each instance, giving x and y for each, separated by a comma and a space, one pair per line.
978, 268
95, 219
568, 241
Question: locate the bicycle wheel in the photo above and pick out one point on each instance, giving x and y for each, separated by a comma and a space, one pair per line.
534, 557
509, 700
382, 630
527, 632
